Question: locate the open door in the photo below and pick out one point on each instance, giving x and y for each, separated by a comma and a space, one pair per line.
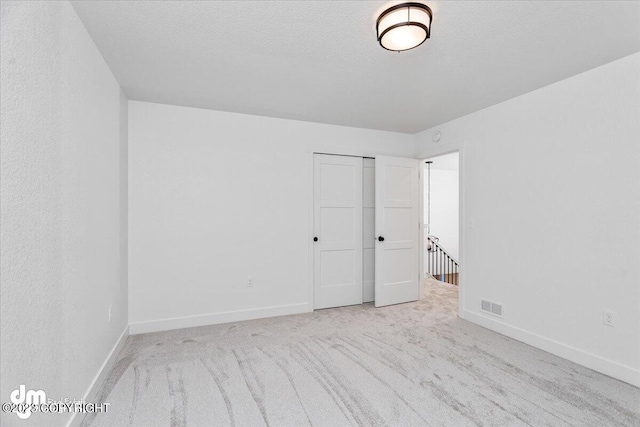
397, 271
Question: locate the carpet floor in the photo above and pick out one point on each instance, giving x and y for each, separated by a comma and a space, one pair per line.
414, 364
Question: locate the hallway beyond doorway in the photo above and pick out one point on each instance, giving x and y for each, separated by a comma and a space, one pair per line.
442, 217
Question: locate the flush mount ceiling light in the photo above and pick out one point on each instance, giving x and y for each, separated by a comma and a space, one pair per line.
404, 26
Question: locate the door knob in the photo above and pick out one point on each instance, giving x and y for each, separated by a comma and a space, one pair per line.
315, 239
380, 239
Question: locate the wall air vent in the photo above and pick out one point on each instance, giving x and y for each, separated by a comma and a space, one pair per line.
491, 307
496, 309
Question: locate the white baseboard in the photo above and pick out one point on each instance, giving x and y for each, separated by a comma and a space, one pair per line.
94, 387
591, 361
216, 318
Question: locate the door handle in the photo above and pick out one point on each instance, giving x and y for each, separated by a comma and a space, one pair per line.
380, 239
315, 239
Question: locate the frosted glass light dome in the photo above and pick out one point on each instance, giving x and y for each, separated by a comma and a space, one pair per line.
404, 26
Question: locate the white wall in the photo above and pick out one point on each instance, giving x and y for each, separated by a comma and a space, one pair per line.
123, 188
62, 227
566, 193
217, 197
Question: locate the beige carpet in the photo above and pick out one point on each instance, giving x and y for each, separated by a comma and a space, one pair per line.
412, 364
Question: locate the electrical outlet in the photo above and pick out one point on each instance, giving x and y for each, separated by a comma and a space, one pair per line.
609, 318
109, 313
250, 283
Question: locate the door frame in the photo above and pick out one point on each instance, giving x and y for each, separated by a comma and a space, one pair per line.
441, 151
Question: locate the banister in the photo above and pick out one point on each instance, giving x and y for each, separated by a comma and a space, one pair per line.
442, 249
441, 263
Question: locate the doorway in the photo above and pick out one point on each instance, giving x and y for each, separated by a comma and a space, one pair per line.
441, 251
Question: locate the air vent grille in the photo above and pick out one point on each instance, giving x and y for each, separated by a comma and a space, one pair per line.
496, 309
491, 307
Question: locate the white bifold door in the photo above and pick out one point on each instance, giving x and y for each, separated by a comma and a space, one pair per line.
337, 224
397, 269
366, 230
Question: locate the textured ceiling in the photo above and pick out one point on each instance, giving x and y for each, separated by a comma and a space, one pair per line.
319, 60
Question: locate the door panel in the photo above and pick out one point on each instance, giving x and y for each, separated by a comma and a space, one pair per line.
336, 223
397, 221
369, 226
337, 218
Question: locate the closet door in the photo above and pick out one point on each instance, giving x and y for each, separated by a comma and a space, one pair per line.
337, 217
369, 227
397, 271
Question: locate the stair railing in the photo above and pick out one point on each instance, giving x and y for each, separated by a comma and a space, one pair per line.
440, 264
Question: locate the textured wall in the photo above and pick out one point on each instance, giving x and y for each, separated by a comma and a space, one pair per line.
60, 205
561, 214
122, 306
